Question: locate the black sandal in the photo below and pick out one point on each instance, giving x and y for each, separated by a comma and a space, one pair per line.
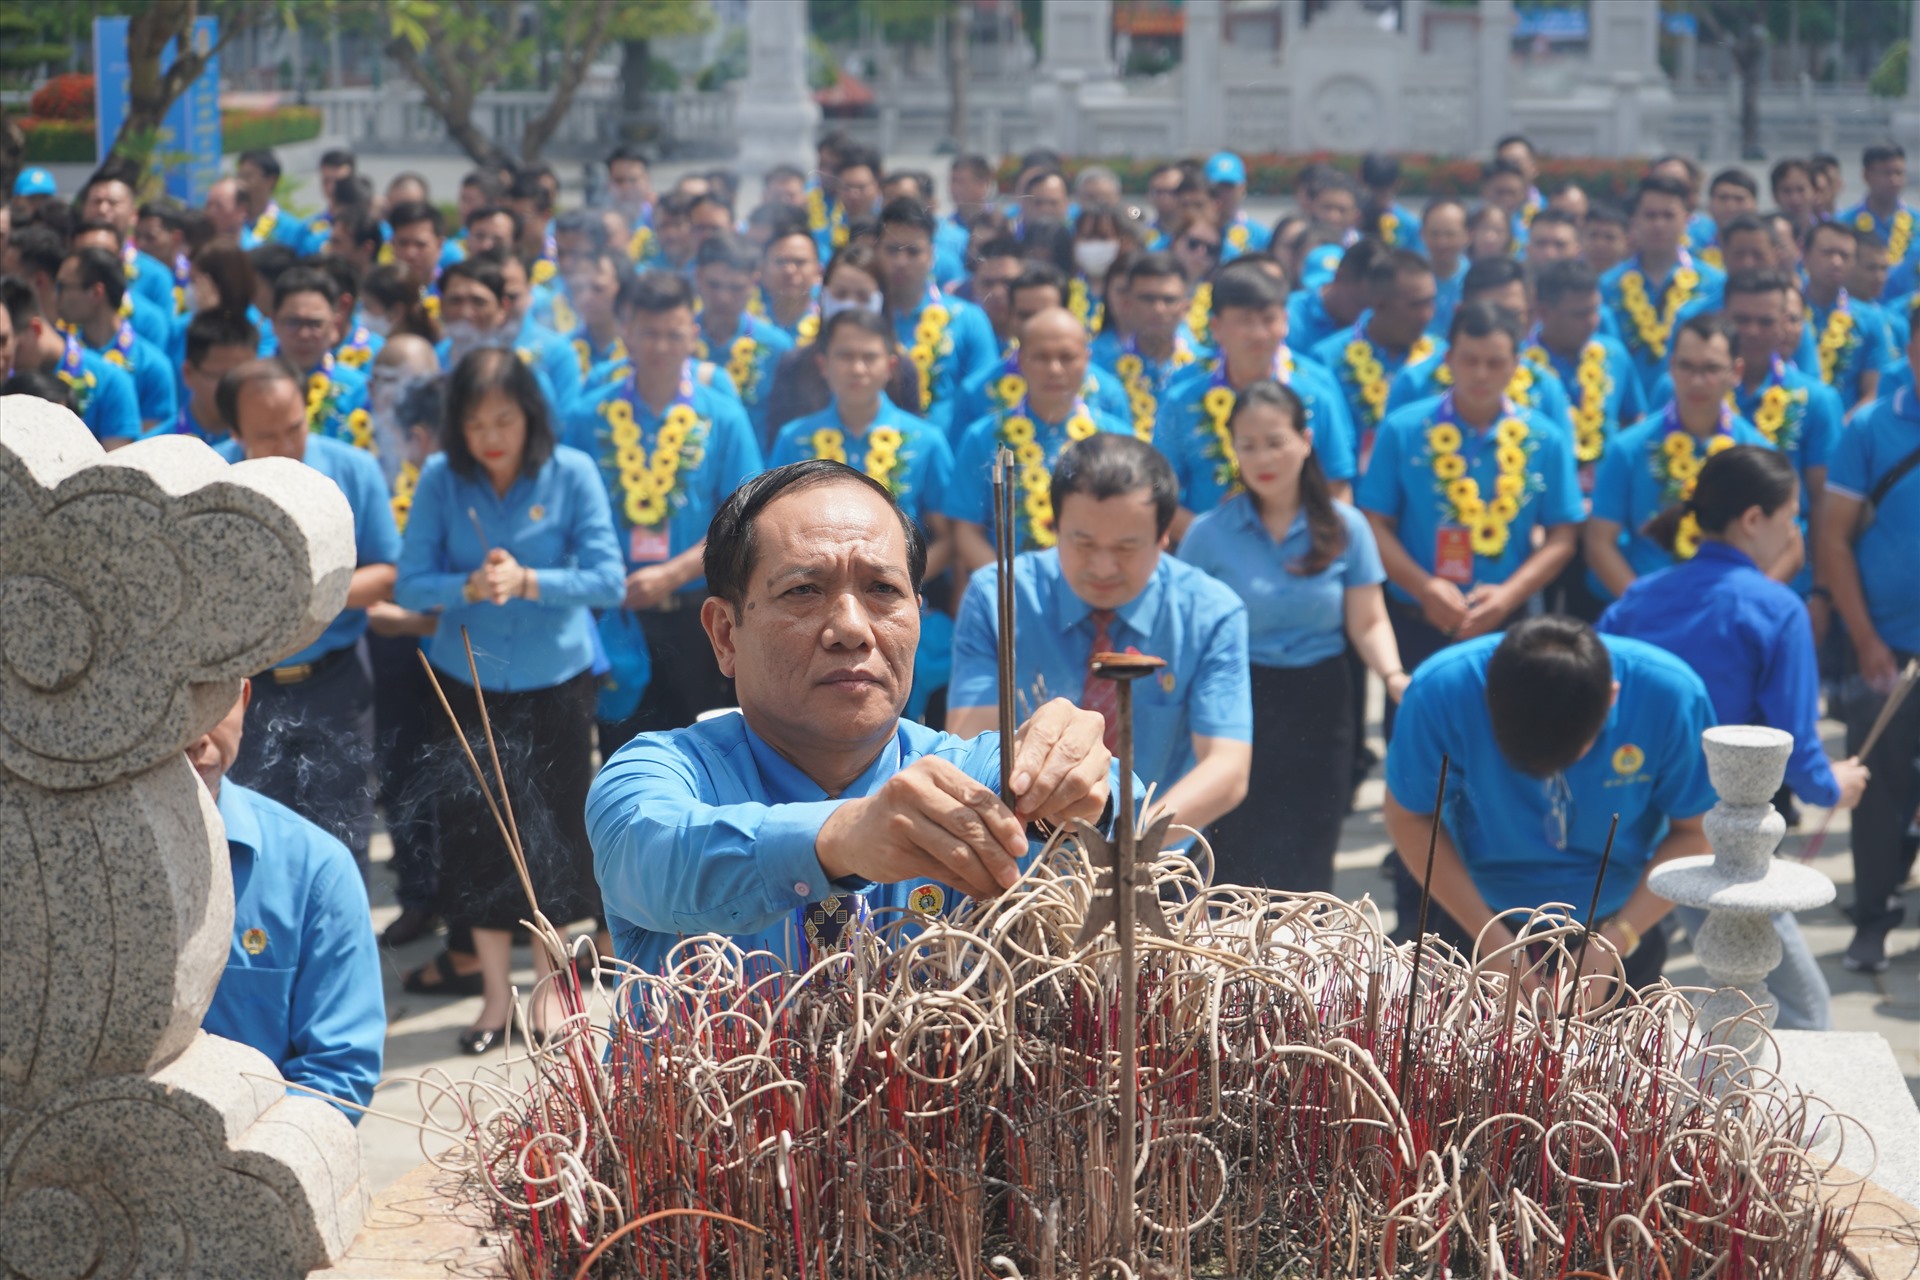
451, 981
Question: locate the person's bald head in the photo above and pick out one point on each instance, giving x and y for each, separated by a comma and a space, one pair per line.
408, 354
1053, 360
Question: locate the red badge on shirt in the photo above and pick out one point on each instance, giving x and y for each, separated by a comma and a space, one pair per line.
650, 546
1453, 555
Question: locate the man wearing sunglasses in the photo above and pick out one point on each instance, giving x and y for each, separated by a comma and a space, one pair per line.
1549, 730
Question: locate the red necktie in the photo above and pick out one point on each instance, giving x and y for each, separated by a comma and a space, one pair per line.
1099, 693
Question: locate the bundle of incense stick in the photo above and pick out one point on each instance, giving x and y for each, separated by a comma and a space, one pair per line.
1005, 535
937, 1102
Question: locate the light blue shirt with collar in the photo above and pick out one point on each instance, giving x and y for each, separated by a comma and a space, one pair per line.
554, 355
375, 539
555, 522
1623, 402
970, 496
1197, 625
967, 347
1243, 235
1707, 296
1308, 322
1629, 491
1867, 220
1400, 484
103, 394
1332, 355
717, 457
1646, 766
1183, 431
154, 385
1865, 351
302, 982
152, 283
770, 343
925, 461
1446, 298
708, 829
1293, 619
1879, 437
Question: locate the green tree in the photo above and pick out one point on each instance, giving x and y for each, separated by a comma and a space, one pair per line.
153, 26
25, 44
1890, 77
638, 24
457, 49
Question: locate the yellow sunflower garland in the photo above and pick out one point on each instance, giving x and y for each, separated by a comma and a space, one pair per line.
1593, 384
1900, 236
403, 486
648, 481
1369, 376
742, 367
1218, 402
1488, 523
640, 244
1836, 339
883, 452
1653, 328
1017, 432
1678, 467
930, 342
360, 431
1200, 313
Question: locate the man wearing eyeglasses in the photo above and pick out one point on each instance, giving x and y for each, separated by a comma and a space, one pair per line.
1549, 731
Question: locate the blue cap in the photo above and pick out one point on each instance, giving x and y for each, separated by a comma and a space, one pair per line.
34, 182
1224, 166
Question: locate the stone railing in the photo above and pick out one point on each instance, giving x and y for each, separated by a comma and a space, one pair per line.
396, 119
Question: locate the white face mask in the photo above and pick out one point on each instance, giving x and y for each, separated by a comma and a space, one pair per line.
831, 306
376, 324
192, 298
1093, 257
464, 338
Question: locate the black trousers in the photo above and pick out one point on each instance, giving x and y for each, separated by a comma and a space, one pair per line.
1642, 967
545, 741
405, 713
686, 679
309, 745
1284, 834
1570, 593
1418, 640
1883, 852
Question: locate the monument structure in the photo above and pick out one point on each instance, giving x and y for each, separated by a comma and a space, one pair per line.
137, 589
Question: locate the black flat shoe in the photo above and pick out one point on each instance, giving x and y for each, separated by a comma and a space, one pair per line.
410, 925
447, 980
475, 1041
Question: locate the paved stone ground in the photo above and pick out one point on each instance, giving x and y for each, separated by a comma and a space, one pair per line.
421, 1029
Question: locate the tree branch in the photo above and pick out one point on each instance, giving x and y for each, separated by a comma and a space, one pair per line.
577, 61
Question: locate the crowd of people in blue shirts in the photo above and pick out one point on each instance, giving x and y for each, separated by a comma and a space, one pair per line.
1668, 441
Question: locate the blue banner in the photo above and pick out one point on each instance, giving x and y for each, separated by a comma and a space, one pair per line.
187, 153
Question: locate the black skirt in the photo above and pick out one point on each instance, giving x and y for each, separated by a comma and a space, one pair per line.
1284, 834
545, 741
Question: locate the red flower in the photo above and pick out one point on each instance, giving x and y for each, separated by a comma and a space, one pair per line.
67, 97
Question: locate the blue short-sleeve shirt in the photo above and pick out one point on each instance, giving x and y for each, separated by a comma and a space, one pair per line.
1856, 333
921, 465
302, 982
716, 452
1402, 485
1185, 430
963, 345
1647, 766
1196, 624
749, 354
375, 538
970, 496
1293, 619
102, 392
1703, 295
1634, 485
1889, 551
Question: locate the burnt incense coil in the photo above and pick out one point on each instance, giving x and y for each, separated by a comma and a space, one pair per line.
936, 1101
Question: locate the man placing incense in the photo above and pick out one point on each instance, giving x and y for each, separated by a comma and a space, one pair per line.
1549, 731
816, 804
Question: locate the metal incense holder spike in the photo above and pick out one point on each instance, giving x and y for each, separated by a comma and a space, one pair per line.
1126, 901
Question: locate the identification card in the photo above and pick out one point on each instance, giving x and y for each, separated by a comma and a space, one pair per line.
650, 546
1453, 555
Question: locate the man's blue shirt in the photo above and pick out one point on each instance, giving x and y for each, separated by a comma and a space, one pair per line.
1650, 361
1646, 765
1540, 389
1867, 220
965, 346
708, 829
102, 392
1748, 638
1293, 619
970, 496
151, 281
1446, 298
1862, 345
752, 374
375, 539
1198, 625
1184, 430
555, 357
557, 523
1888, 553
981, 395
1633, 486
1401, 484
923, 466
718, 452
154, 386
1308, 322
302, 982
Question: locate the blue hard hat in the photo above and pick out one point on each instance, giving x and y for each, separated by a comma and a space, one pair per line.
34, 182
1224, 166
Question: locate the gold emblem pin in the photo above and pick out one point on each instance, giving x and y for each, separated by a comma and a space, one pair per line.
254, 940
